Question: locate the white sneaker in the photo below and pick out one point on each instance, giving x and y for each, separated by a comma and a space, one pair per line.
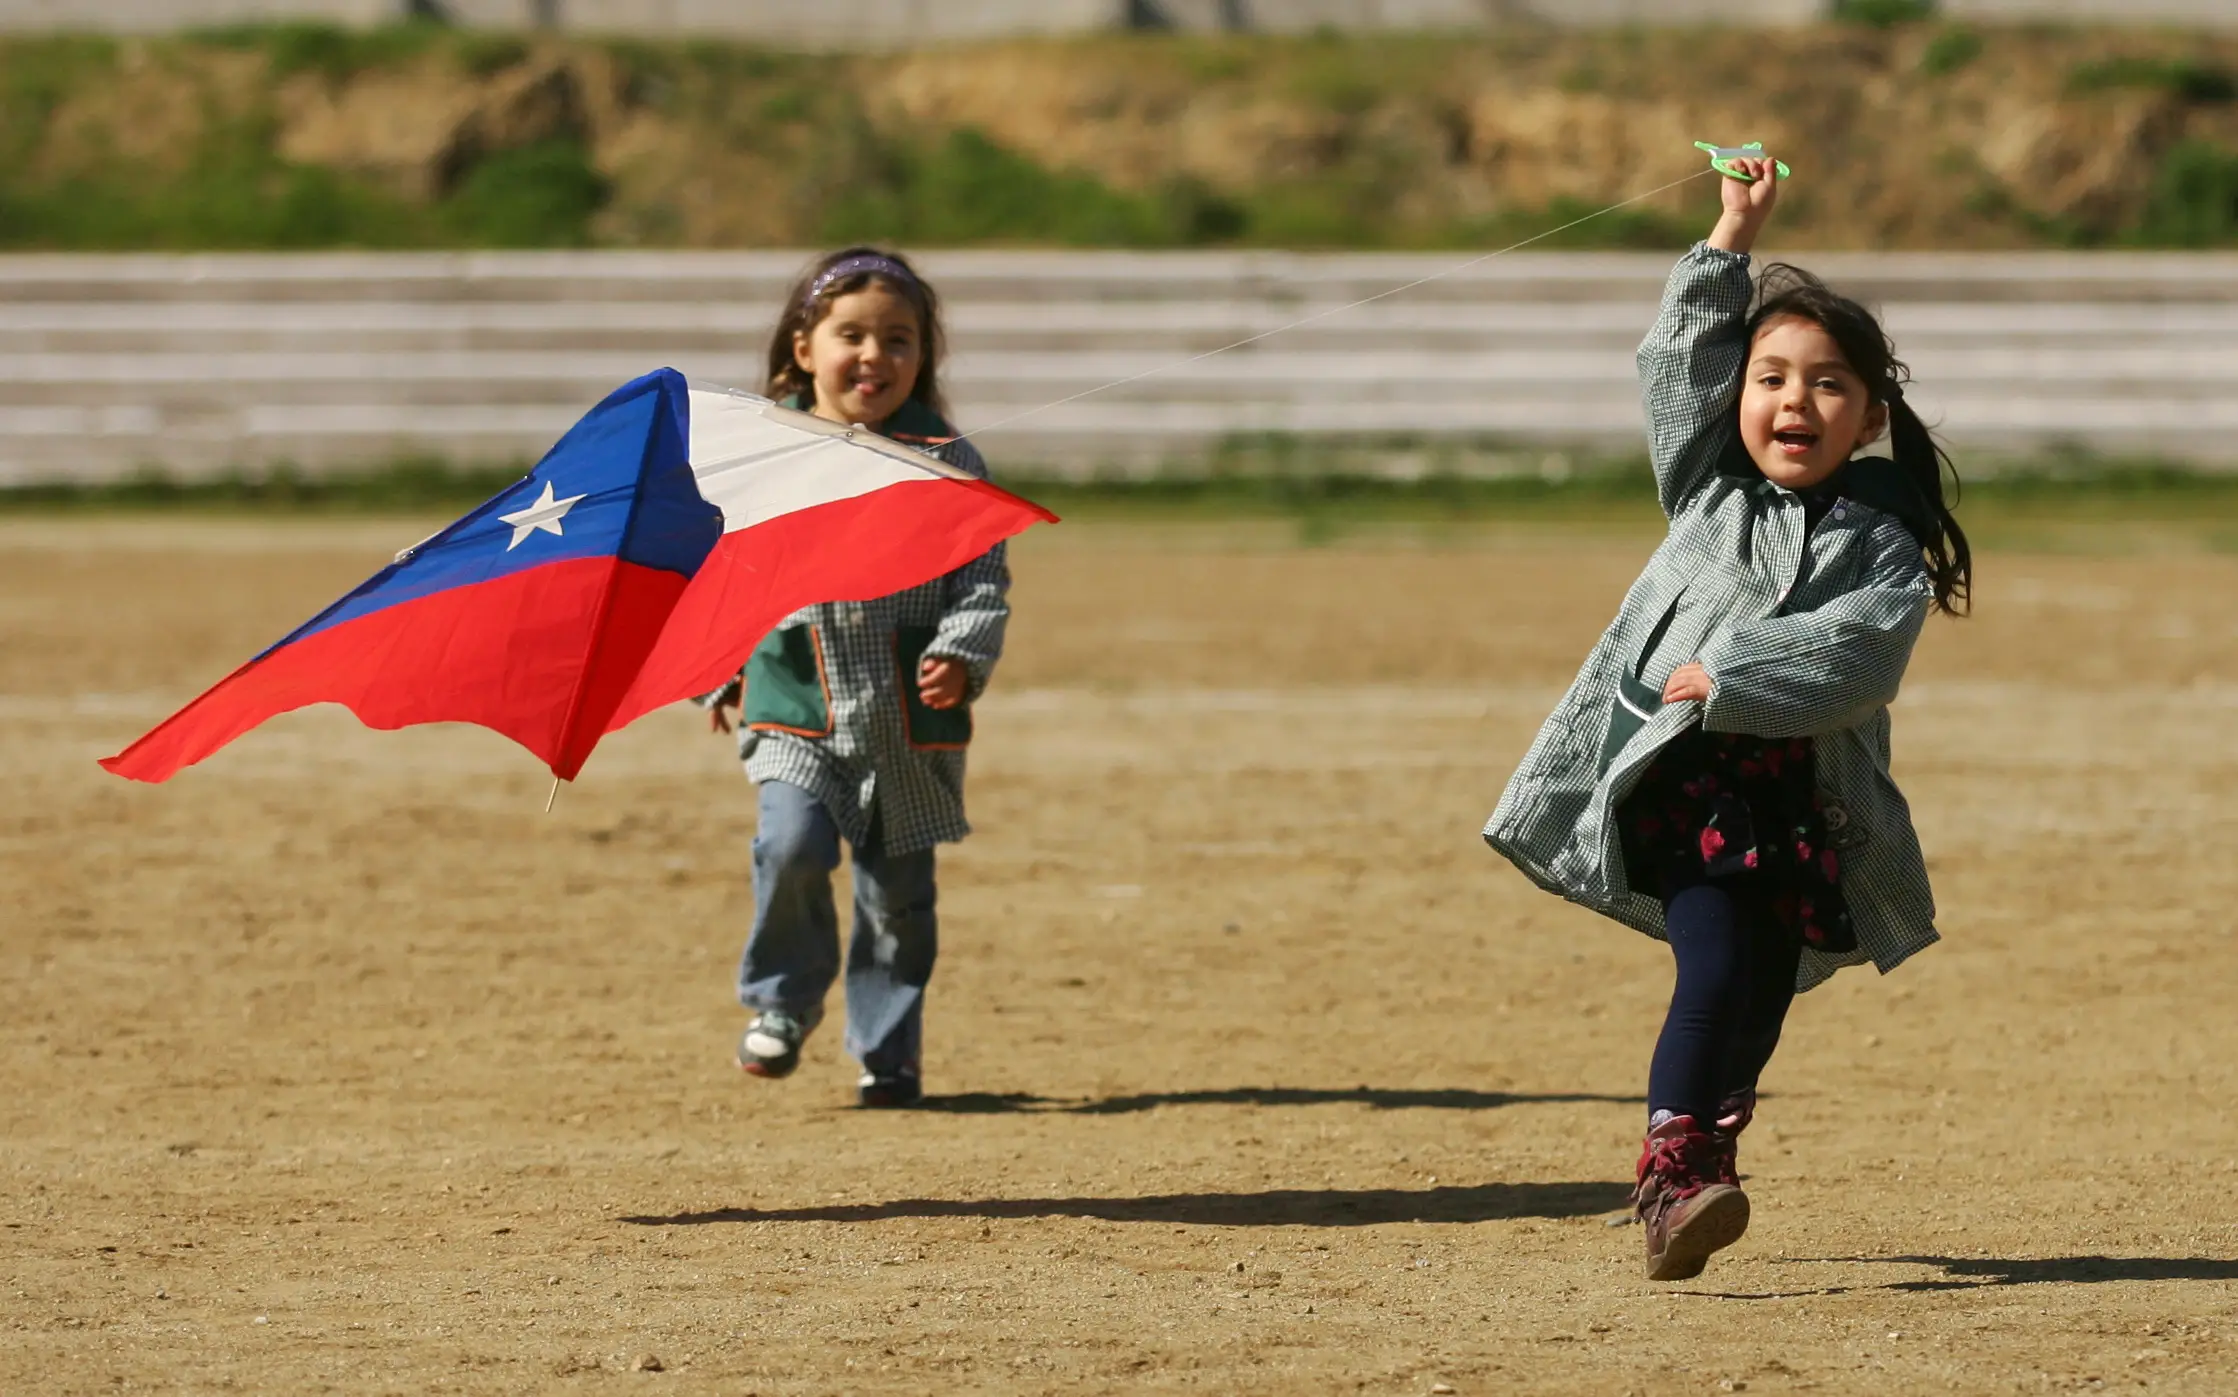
771, 1044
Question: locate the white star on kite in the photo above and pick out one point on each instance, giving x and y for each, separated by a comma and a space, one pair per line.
545, 514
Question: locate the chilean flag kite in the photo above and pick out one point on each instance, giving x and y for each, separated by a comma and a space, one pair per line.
638, 564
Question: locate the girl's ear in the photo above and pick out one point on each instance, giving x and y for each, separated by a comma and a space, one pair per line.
1876, 425
806, 363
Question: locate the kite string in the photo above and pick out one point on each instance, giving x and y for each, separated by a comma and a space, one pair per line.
1453, 270
1248, 340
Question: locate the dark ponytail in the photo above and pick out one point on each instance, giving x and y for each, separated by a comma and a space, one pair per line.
1920, 461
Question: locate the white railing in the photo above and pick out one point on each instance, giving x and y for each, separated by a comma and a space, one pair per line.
200, 365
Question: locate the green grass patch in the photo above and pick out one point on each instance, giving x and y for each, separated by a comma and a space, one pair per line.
1994, 202
707, 79
2088, 480
338, 53
406, 483
1212, 59
234, 195
2057, 507
2090, 506
237, 193
242, 196
1320, 510
542, 195
2188, 78
227, 187
1883, 14
966, 188
334, 52
1950, 50
2061, 506
1319, 485
2194, 198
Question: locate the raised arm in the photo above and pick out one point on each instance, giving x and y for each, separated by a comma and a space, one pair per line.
1825, 670
1691, 361
1690, 370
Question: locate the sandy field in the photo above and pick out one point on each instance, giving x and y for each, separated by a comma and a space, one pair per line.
337, 1065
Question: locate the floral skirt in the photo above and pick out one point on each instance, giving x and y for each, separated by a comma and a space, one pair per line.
1728, 805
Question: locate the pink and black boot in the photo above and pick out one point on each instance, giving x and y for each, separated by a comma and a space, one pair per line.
1684, 1204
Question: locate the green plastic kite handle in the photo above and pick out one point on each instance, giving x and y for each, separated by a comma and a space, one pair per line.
1723, 158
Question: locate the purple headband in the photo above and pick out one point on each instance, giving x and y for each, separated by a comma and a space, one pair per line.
854, 266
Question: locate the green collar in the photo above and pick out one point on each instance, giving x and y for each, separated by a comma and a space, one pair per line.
913, 421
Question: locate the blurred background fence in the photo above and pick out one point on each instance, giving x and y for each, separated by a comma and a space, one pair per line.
855, 23
196, 366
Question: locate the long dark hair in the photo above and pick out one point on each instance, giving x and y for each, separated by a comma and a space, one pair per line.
1921, 462
810, 300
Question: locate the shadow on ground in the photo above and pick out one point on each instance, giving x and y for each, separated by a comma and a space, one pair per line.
1289, 1207
1983, 1272
1965, 1272
985, 1103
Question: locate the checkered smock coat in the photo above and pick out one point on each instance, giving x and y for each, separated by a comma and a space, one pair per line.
1804, 633
830, 697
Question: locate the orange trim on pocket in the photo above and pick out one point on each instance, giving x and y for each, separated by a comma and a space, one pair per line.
823, 681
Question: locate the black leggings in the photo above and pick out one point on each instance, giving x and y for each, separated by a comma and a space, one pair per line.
1736, 977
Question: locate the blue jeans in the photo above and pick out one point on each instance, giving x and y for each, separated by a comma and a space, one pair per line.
792, 957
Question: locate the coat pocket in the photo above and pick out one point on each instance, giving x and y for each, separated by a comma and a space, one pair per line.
1629, 711
1635, 702
929, 729
786, 689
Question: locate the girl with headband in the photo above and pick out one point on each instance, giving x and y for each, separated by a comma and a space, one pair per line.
856, 716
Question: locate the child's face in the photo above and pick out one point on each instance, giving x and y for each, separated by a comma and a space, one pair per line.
864, 356
1803, 408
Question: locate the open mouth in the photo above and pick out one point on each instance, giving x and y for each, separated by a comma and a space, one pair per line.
1794, 441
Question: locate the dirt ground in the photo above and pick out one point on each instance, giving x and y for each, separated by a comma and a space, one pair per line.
336, 1065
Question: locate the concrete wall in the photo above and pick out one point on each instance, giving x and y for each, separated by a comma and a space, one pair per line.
851, 23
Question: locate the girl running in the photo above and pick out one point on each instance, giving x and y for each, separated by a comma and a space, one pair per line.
1718, 773
856, 715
